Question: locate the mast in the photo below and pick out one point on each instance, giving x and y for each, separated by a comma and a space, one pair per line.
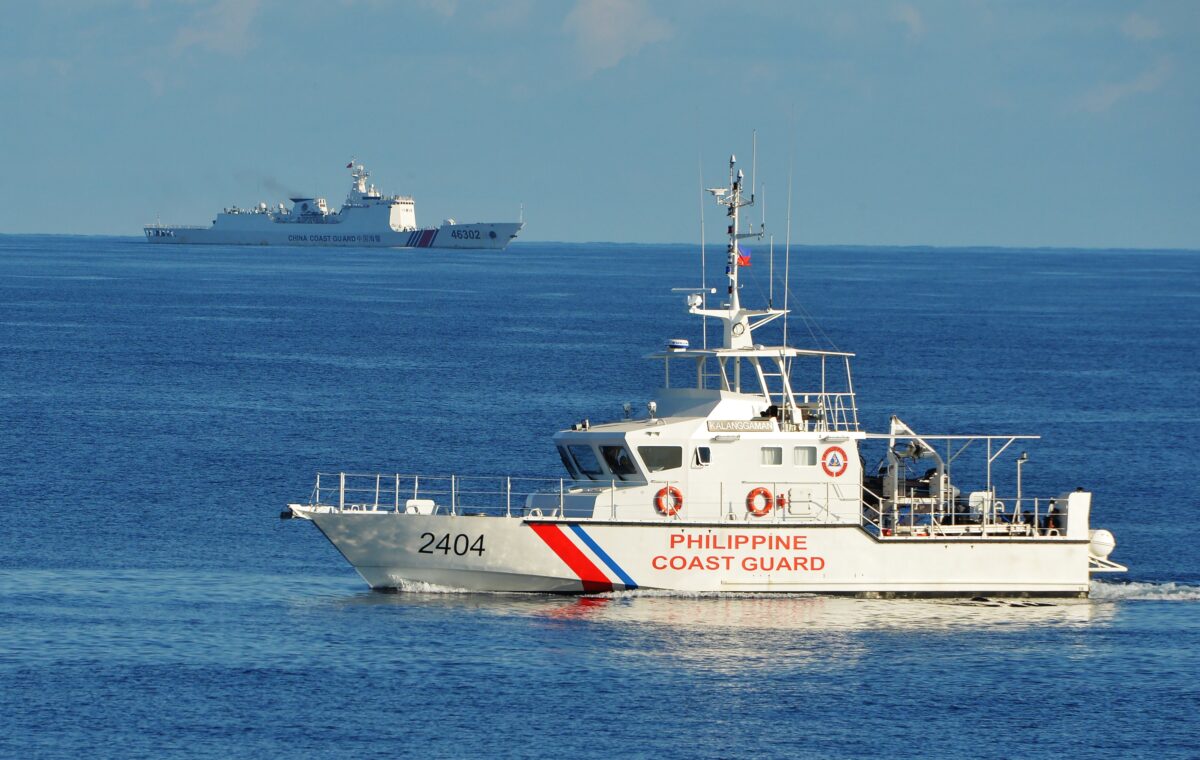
738, 327
734, 202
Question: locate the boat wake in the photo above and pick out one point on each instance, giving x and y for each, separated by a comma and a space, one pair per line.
421, 587
1103, 591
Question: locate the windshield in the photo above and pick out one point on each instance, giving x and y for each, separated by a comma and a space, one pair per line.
566, 460
619, 461
586, 461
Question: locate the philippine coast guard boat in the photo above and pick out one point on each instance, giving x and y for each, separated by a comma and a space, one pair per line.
746, 473
367, 218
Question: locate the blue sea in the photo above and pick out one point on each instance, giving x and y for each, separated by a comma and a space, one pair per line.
159, 406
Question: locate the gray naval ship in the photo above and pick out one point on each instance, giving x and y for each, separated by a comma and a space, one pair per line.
367, 218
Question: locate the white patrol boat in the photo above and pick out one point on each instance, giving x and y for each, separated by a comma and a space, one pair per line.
367, 218
746, 474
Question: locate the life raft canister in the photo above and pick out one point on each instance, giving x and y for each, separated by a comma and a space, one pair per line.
668, 501
752, 504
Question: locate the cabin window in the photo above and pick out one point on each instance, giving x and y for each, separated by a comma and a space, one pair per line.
566, 460
772, 455
804, 456
703, 456
586, 461
659, 458
619, 461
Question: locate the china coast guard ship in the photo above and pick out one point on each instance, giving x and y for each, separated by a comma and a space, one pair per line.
746, 473
367, 218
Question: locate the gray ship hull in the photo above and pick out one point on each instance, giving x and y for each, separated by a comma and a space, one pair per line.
494, 236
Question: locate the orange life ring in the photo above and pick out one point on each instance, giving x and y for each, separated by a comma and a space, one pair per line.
752, 502
668, 501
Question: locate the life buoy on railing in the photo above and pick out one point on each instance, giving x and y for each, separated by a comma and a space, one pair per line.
668, 501
752, 504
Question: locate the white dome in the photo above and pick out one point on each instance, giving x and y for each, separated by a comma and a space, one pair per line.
1102, 543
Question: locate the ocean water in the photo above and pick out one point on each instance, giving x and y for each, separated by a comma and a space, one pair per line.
159, 406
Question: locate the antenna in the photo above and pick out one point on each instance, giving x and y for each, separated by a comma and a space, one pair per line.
764, 206
703, 285
771, 278
521, 218
753, 163
787, 253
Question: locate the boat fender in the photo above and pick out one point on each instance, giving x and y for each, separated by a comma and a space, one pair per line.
668, 501
752, 504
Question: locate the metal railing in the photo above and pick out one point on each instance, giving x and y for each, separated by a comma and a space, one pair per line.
791, 502
920, 516
436, 494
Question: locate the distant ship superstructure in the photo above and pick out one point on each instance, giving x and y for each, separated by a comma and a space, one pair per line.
367, 218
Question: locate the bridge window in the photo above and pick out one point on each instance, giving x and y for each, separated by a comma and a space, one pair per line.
772, 455
804, 456
659, 458
566, 460
586, 461
619, 461
703, 456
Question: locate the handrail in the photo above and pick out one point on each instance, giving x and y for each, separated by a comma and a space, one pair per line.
396, 491
928, 516
884, 516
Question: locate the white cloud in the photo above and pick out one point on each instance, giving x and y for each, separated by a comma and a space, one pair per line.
911, 18
445, 8
157, 80
1107, 95
222, 27
509, 13
1140, 28
607, 31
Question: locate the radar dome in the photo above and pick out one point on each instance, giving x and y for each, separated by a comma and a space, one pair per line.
1102, 543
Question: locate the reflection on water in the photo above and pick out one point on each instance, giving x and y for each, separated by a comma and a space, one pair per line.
734, 633
224, 616
81, 589
769, 612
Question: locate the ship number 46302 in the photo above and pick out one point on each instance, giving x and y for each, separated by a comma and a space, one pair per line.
459, 543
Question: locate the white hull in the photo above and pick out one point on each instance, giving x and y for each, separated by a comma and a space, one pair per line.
368, 218
484, 235
569, 556
748, 473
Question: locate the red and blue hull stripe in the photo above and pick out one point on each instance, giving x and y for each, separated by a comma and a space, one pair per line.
603, 555
594, 579
422, 238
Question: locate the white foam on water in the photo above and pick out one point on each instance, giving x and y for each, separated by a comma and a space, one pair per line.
421, 587
1138, 591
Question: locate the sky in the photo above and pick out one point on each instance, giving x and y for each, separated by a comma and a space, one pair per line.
956, 123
